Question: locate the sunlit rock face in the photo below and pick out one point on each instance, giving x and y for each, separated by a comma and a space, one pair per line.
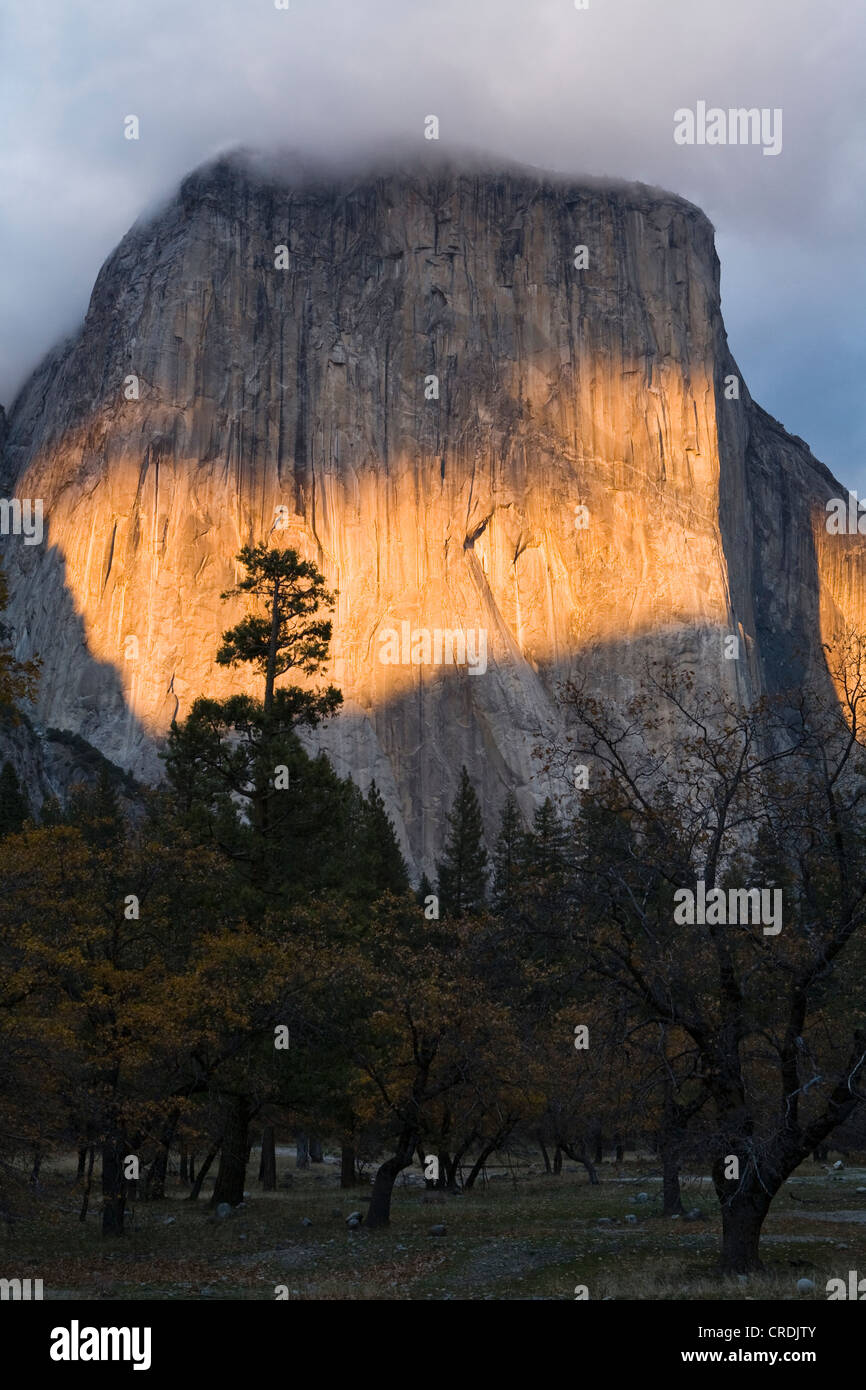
473, 427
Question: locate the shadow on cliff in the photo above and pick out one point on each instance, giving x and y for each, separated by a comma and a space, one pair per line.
95, 705
498, 724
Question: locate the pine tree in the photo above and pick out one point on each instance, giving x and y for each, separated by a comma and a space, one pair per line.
228, 751
14, 809
97, 812
462, 872
509, 857
288, 636
548, 843
548, 864
386, 865
424, 891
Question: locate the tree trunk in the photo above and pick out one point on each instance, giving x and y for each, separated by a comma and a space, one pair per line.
544, 1154
457, 1163
184, 1163
85, 1201
670, 1138
444, 1170
232, 1172
581, 1156
620, 1153
448, 1169
742, 1218
268, 1164
271, 666
347, 1166
113, 1188
599, 1150
672, 1200
584, 1158
316, 1153
203, 1171
479, 1164
302, 1151
154, 1184
557, 1160
192, 1167
379, 1213
82, 1160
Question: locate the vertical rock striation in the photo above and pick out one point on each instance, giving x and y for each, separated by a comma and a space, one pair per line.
566, 396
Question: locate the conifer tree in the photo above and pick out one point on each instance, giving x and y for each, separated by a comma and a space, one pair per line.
547, 877
424, 891
289, 636
462, 871
14, 809
509, 858
382, 852
232, 749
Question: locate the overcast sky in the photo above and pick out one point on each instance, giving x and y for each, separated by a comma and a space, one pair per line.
581, 91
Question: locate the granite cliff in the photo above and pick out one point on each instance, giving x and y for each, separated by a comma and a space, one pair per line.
415, 376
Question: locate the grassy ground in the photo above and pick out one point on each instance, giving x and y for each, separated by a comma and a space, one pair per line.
534, 1238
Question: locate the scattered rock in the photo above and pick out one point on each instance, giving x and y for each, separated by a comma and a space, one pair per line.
838, 1164
353, 1223
631, 1219
305, 1221
169, 1221
694, 1215
805, 1286
436, 1231
642, 1197
223, 1210
605, 1221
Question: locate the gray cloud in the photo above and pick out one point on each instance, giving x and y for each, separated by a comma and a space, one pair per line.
580, 91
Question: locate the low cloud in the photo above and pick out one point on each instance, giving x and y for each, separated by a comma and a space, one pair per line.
580, 91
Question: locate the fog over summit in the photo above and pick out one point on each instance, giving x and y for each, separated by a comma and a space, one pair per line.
584, 92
